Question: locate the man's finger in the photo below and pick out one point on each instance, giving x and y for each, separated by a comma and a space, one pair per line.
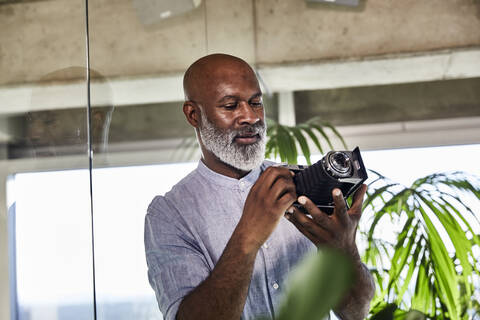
271, 174
317, 230
290, 217
321, 218
287, 199
340, 206
281, 186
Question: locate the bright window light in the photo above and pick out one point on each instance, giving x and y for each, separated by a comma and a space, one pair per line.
53, 228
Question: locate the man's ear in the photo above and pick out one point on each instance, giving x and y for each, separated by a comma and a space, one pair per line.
192, 113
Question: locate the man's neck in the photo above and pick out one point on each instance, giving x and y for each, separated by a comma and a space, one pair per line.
223, 168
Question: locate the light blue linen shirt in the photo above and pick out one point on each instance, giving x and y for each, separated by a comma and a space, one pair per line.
187, 230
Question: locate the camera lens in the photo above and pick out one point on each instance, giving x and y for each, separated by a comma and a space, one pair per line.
340, 163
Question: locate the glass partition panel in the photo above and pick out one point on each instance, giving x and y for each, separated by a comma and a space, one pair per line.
357, 67
123, 291
47, 257
53, 245
138, 56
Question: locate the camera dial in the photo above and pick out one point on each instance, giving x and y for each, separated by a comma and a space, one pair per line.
338, 164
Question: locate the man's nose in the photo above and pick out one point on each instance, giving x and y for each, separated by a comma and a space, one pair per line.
247, 114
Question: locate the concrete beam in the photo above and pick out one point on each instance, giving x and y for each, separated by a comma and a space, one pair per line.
119, 92
426, 66
409, 134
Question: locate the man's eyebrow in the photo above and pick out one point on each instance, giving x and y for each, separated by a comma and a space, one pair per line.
224, 98
256, 95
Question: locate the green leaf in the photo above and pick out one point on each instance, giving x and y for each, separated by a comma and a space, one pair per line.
324, 135
287, 147
334, 130
411, 269
312, 136
457, 237
402, 252
282, 140
319, 121
382, 211
422, 291
316, 286
303, 143
378, 192
445, 276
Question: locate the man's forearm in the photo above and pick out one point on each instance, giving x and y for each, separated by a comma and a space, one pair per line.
223, 294
356, 304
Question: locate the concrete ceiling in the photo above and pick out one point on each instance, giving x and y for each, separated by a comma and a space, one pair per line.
43, 36
313, 59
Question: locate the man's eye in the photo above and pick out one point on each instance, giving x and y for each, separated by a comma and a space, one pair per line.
256, 104
230, 106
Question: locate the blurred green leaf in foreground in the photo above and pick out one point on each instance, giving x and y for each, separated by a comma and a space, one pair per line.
316, 286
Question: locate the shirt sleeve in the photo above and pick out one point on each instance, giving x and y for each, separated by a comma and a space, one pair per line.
175, 263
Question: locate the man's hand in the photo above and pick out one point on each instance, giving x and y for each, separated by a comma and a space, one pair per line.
337, 230
269, 198
222, 295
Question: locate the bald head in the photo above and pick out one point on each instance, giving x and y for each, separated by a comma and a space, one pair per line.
223, 102
209, 73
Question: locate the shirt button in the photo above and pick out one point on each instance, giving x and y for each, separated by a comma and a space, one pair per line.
275, 286
242, 184
265, 246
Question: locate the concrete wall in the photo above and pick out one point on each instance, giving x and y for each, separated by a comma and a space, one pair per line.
295, 31
41, 36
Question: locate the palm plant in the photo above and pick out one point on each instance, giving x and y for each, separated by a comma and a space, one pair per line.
283, 140
430, 269
433, 265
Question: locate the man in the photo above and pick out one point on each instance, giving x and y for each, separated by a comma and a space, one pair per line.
218, 245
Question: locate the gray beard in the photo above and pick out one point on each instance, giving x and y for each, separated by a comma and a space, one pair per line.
222, 144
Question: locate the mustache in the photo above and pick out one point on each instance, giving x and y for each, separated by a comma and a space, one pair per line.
251, 129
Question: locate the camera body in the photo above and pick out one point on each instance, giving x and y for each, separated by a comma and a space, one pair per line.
337, 169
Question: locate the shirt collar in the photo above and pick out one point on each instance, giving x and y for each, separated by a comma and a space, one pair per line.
225, 181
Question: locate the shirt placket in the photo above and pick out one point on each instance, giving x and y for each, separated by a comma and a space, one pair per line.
271, 274
268, 259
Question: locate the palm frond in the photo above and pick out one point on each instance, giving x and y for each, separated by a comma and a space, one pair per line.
433, 261
287, 141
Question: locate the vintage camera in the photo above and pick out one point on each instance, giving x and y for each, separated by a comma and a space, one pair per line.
337, 169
